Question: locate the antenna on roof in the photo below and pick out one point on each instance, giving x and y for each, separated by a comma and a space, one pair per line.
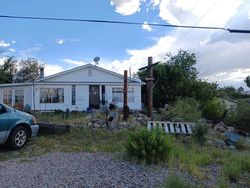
96, 60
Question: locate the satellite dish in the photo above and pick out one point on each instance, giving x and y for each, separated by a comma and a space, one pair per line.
96, 60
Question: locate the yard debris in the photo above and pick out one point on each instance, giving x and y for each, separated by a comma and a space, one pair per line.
220, 127
48, 128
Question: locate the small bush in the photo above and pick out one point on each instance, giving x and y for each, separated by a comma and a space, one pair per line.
186, 109
213, 110
240, 118
149, 146
174, 181
200, 131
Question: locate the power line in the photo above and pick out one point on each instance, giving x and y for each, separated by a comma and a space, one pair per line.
122, 22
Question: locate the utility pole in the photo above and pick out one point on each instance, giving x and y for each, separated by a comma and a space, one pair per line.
125, 97
149, 87
150, 82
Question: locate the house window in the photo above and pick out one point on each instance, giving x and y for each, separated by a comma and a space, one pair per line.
117, 95
51, 95
73, 95
19, 99
7, 97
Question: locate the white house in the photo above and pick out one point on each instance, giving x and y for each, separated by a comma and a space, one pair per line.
75, 89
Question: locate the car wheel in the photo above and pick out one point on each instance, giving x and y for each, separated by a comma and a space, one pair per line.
18, 138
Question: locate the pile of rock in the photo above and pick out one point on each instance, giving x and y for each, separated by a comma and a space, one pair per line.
142, 119
221, 127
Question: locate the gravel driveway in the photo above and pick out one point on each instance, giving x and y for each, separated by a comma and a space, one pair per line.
77, 170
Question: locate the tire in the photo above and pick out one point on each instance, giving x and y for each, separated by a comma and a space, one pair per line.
18, 138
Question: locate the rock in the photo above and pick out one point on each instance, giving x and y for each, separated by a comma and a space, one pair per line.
139, 118
232, 129
231, 147
220, 127
124, 124
187, 139
217, 143
140, 115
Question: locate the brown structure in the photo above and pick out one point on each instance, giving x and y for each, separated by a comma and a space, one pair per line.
125, 96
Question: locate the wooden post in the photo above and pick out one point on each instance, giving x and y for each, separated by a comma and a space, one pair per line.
125, 96
149, 87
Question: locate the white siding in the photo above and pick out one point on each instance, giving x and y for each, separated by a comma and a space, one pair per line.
82, 75
136, 105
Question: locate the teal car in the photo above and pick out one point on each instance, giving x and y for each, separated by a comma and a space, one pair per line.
16, 127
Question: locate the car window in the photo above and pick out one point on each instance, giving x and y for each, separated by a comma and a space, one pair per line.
2, 109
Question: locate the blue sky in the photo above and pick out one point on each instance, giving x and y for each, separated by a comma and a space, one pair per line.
222, 57
79, 41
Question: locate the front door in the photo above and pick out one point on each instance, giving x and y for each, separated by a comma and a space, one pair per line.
94, 96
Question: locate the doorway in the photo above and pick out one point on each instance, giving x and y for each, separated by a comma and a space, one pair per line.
94, 96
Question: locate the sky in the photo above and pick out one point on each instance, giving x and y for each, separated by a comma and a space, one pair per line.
222, 57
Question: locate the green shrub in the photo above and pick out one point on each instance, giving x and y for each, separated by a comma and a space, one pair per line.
200, 131
240, 118
149, 146
186, 109
213, 110
174, 181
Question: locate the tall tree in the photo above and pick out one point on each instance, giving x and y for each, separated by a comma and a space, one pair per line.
176, 76
8, 70
28, 70
247, 81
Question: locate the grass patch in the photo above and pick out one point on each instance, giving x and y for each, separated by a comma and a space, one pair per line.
60, 117
78, 140
175, 181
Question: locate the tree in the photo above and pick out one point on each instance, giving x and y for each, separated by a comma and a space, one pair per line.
185, 61
8, 70
247, 81
29, 70
176, 76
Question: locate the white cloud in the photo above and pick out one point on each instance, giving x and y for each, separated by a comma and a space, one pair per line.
30, 51
249, 14
222, 57
12, 50
74, 62
2, 59
138, 58
146, 26
233, 77
4, 44
126, 7
60, 41
52, 69
13, 42
195, 12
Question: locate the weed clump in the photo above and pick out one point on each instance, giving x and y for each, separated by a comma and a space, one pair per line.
200, 131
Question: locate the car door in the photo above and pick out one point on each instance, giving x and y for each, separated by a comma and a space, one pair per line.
4, 123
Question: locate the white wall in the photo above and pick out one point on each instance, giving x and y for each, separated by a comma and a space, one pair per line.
82, 75
82, 98
136, 105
